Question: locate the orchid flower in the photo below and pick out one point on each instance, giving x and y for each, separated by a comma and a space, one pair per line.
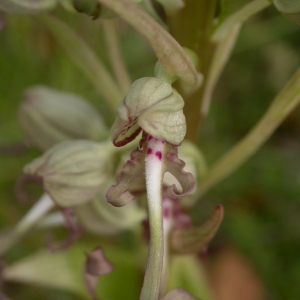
154, 108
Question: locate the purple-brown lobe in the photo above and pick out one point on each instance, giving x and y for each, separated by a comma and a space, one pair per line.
128, 139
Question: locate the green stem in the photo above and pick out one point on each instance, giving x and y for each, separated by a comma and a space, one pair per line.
240, 16
55, 219
220, 57
192, 28
85, 59
32, 218
282, 105
115, 54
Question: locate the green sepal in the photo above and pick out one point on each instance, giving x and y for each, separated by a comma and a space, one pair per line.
151, 105
100, 217
73, 172
48, 117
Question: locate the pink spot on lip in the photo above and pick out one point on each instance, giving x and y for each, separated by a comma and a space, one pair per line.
149, 138
166, 212
158, 155
149, 151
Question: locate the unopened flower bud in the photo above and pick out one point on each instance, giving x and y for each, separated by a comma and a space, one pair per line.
289, 8
48, 116
100, 217
73, 172
160, 72
26, 6
187, 89
151, 105
94, 9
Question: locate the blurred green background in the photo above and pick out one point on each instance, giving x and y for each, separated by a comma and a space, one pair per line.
261, 199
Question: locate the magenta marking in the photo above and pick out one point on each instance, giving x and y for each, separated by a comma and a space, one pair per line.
158, 155
166, 212
149, 138
149, 151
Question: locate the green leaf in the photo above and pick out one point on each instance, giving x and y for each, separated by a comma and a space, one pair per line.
186, 272
64, 270
178, 294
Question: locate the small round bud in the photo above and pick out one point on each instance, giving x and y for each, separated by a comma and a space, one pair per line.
187, 89
287, 6
100, 217
90, 8
290, 9
160, 72
48, 116
151, 105
93, 8
73, 172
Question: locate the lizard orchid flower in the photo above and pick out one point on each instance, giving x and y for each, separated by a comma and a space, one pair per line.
154, 108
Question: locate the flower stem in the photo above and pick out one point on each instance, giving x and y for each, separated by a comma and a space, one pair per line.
40, 209
154, 176
280, 108
169, 52
241, 15
113, 45
220, 57
55, 219
85, 59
